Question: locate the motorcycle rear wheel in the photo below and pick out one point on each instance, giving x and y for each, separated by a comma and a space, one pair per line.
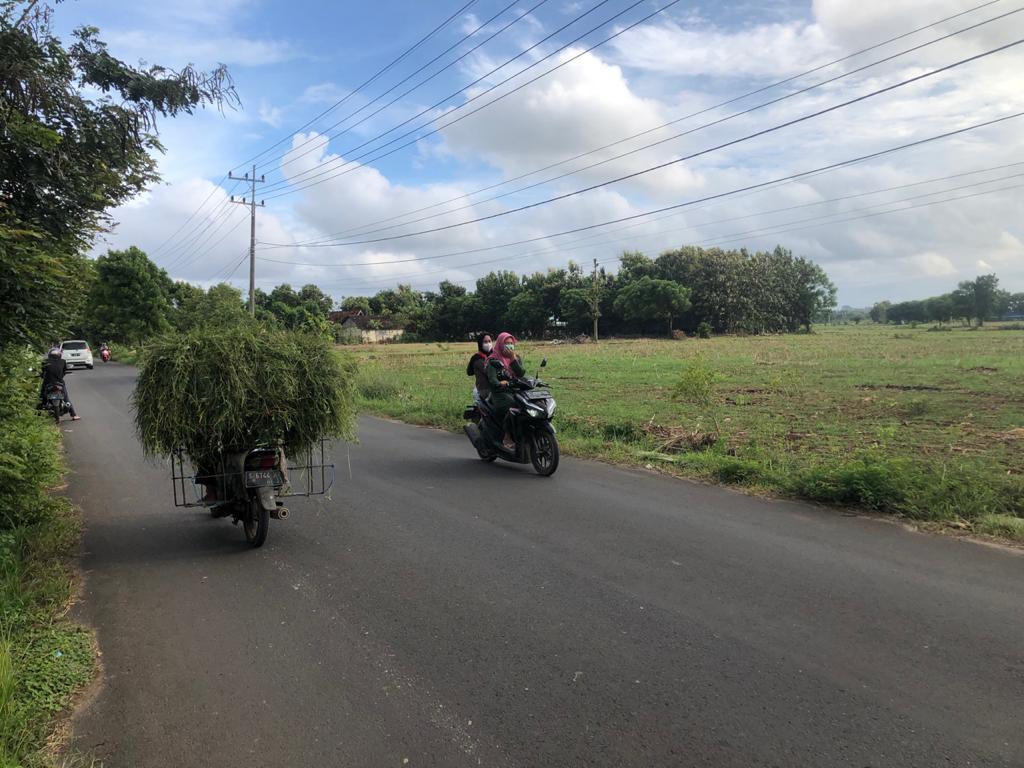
256, 523
544, 453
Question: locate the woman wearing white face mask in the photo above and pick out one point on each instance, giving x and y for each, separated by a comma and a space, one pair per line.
503, 365
478, 367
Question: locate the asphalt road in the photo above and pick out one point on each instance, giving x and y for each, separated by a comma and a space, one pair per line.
443, 612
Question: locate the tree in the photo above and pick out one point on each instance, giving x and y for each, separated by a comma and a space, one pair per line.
578, 309
1015, 303
130, 298
527, 315
315, 299
648, 299
986, 289
222, 305
494, 293
77, 137
880, 312
356, 304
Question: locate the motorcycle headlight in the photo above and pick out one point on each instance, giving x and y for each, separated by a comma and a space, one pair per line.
534, 413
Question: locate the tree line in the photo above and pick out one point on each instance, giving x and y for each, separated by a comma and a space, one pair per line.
727, 291
129, 299
973, 301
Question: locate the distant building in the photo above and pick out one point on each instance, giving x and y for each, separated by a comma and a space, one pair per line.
373, 329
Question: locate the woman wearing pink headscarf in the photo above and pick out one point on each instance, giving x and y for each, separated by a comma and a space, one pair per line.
503, 365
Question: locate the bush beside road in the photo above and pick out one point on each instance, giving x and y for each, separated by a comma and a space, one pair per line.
44, 658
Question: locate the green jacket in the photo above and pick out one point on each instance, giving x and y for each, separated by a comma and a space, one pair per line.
501, 397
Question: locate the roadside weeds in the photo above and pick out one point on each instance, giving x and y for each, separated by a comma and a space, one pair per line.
45, 658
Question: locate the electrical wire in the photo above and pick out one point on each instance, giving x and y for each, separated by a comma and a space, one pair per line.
361, 86
337, 104
357, 158
659, 142
685, 204
419, 85
660, 166
588, 241
833, 62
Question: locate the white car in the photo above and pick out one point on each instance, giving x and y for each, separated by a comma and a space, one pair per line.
76, 352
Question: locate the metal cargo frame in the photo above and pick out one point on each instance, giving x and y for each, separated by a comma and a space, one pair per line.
315, 476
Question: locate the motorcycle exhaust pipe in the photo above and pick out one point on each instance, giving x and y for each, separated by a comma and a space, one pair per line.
280, 513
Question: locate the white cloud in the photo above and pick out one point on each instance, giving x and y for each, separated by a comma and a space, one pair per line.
323, 93
771, 50
270, 115
204, 51
933, 264
598, 100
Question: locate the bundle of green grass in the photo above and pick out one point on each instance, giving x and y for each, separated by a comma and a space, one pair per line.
237, 387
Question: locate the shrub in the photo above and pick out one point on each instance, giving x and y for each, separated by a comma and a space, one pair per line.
698, 384
378, 388
704, 330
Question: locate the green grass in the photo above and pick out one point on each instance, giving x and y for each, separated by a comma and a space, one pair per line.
928, 426
44, 658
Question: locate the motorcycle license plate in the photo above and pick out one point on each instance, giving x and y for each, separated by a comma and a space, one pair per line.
258, 478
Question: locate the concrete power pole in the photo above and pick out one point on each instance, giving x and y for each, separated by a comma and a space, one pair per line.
251, 202
595, 306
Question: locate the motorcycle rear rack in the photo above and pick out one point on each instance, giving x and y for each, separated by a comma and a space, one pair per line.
312, 477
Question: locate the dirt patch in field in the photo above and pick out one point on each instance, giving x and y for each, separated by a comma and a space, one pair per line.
984, 369
679, 439
903, 387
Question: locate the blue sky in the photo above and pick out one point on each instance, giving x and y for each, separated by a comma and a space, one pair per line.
293, 61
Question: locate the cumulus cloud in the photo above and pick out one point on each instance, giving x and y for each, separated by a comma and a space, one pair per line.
654, 74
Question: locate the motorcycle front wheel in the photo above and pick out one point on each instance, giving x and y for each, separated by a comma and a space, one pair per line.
544, 453
256, 523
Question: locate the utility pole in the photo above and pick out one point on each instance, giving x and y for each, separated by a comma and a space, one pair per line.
251, 202
595, 306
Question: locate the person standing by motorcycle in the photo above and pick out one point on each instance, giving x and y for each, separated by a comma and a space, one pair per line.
503, 365
53, 375
477, 367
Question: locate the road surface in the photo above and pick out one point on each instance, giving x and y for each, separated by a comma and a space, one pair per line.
443, 612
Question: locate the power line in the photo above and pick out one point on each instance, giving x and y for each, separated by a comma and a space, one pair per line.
498, 98
355, 230
719, 121
587, 242
466, 87
690, 156
359, 87
190, 217
180, 254
190, 252
779, 229
380, 72
678, 206
420, 84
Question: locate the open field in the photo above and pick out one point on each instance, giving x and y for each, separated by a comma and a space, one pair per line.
923, 424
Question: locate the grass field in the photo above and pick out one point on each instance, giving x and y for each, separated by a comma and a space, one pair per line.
928, 425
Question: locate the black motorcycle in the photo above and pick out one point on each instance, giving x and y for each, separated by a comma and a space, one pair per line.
55, 403
528, 421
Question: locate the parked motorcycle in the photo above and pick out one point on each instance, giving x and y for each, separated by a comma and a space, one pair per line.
55, 403
528, 421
